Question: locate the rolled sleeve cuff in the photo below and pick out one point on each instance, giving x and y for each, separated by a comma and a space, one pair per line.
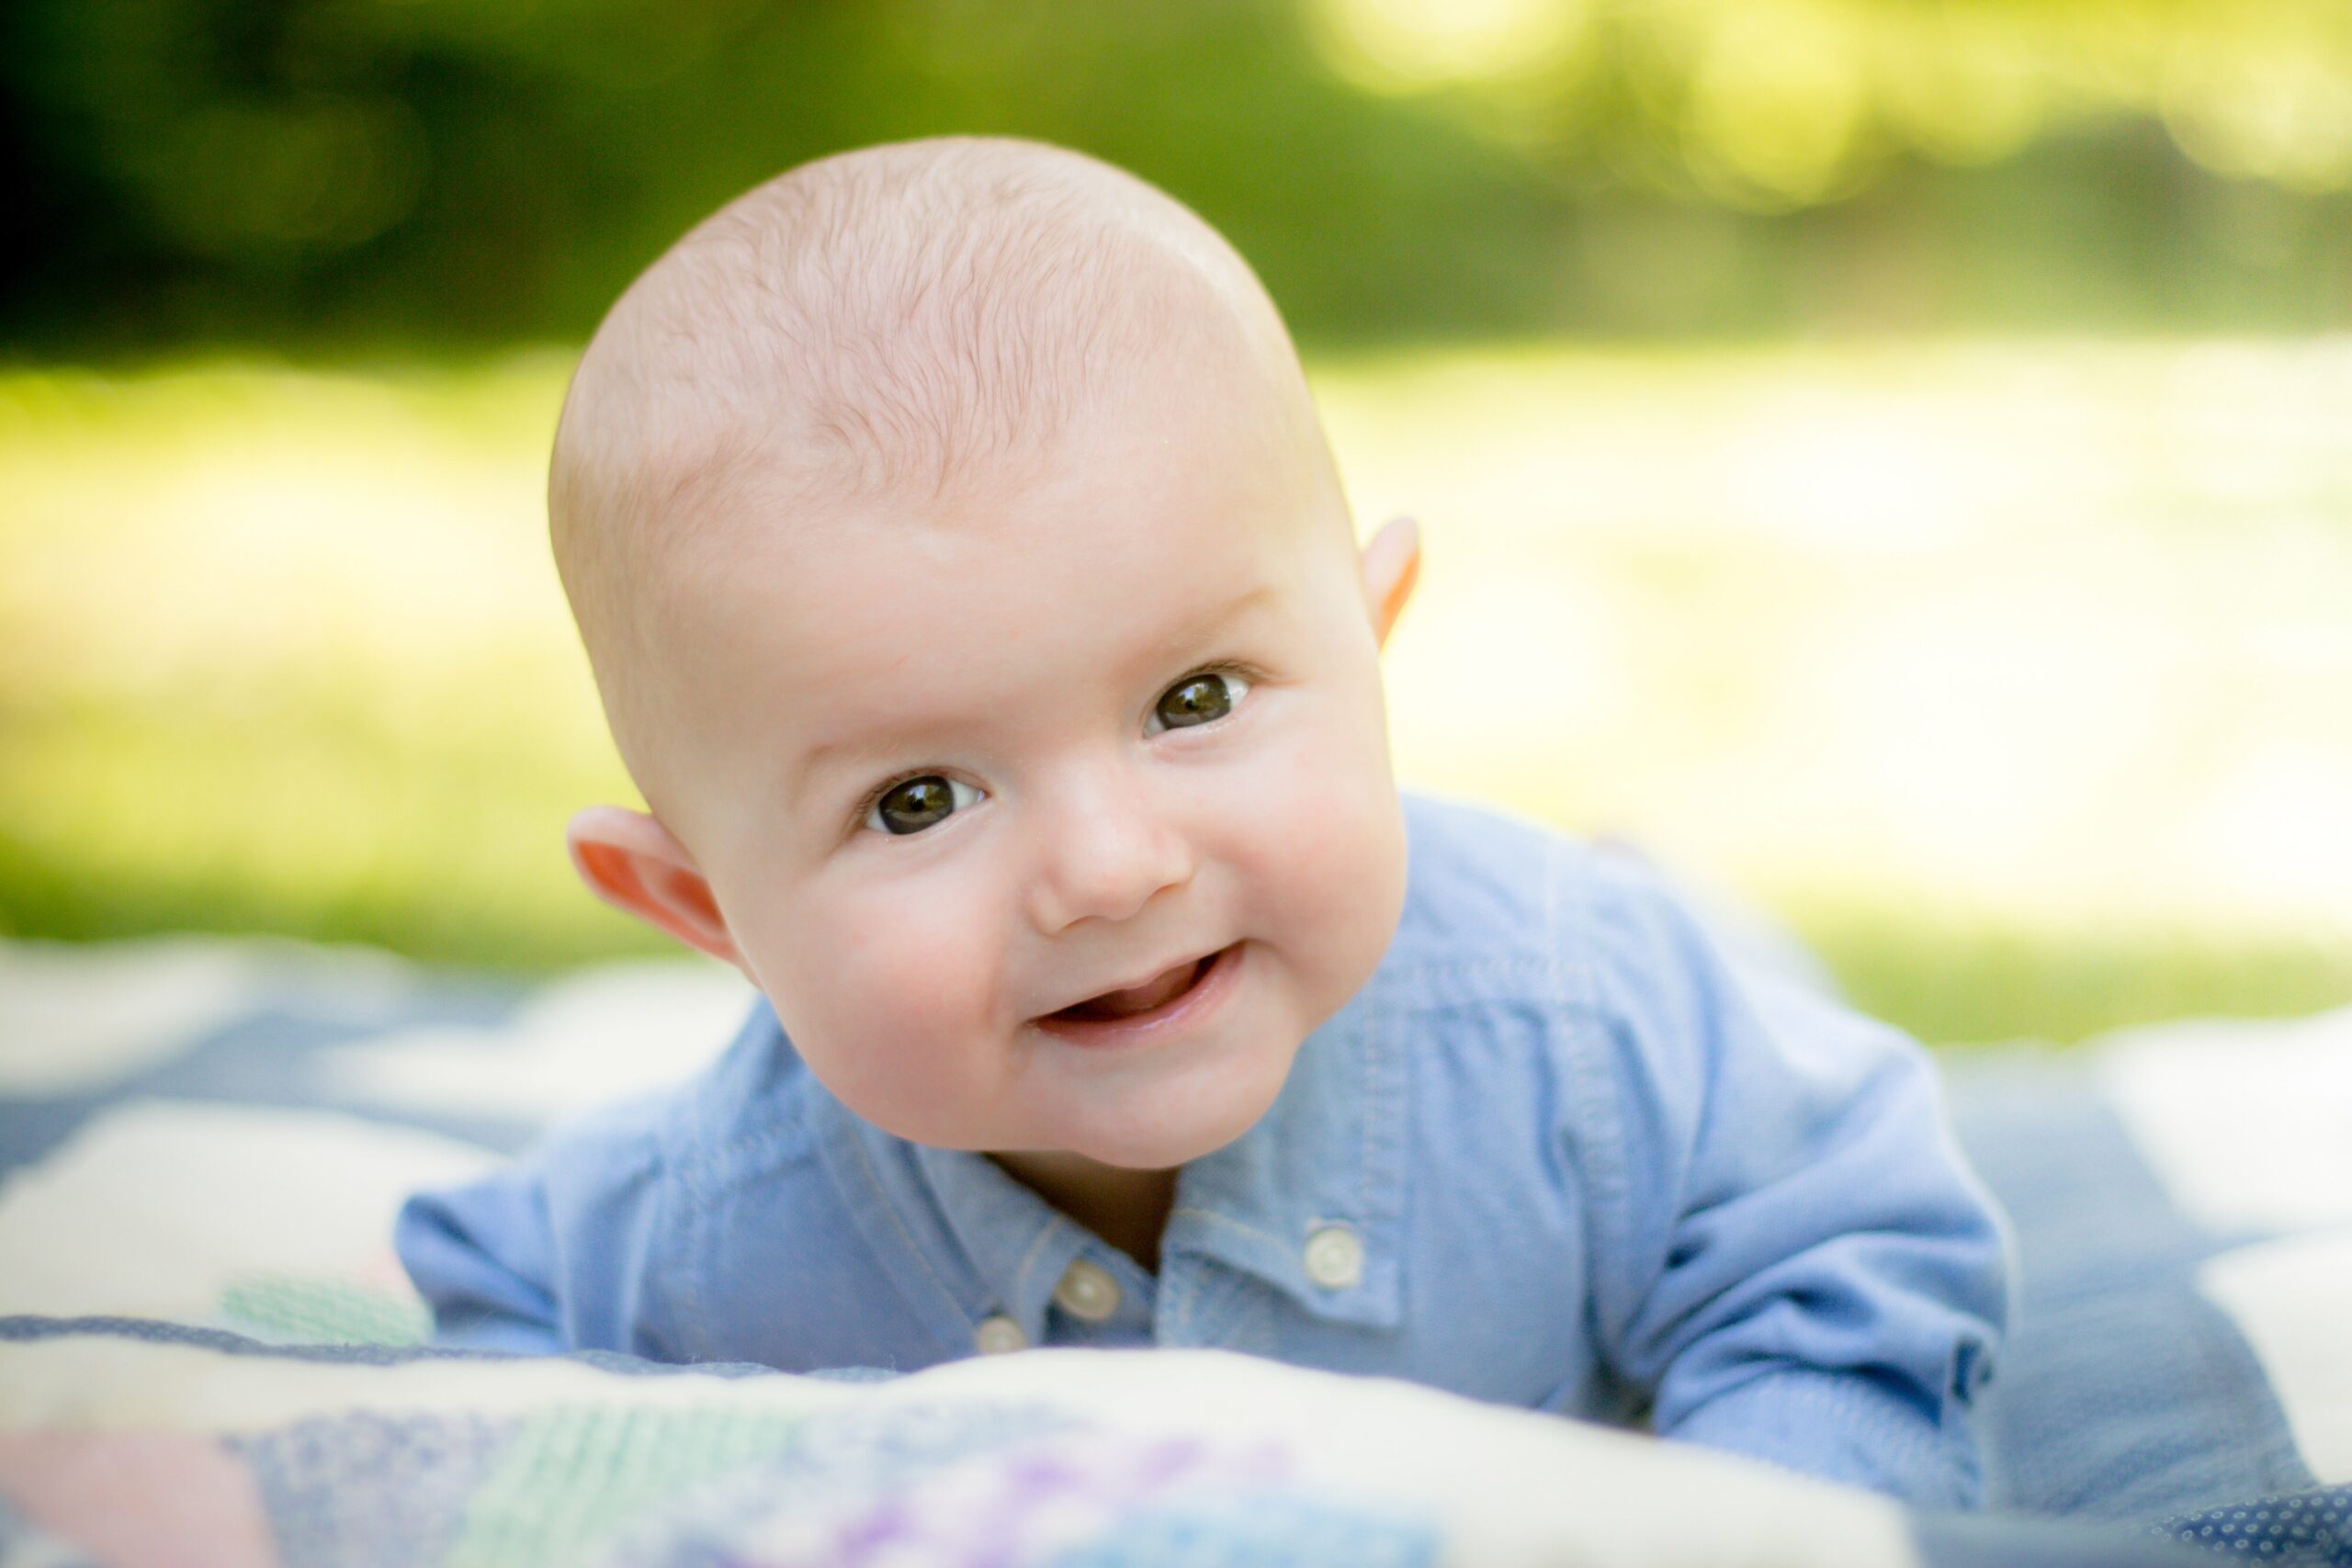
1847, 1428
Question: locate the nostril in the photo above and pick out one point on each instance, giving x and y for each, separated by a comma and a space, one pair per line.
1109, 887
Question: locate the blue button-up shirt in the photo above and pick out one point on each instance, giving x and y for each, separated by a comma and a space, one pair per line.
1557, 1153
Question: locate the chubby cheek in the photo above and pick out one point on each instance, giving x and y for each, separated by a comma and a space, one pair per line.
889, 988
1323, 855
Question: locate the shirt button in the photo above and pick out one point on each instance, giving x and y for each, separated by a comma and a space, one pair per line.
998, 1334
1086, 1292
1334, 1258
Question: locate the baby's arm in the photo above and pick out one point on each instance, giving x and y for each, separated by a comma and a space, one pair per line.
554, 1252
1804, 1270
481, 1256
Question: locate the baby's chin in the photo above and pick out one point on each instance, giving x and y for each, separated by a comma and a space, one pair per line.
1183, 1122
1133, 1127
1165, 1146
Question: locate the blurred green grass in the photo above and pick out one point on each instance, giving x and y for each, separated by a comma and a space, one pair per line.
2016, 676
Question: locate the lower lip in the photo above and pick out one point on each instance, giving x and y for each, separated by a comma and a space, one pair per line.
1170, 1018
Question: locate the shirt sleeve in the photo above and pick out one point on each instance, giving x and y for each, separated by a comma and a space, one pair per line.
554, 1252
1797, 1263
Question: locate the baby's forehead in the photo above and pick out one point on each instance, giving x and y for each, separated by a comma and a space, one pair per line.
1173, 459
877, 621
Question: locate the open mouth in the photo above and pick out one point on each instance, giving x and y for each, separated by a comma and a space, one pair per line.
1163, 996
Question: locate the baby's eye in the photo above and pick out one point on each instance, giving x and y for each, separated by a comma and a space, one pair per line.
1197, 699
917, 804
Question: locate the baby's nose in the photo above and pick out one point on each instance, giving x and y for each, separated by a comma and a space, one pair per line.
1105, 861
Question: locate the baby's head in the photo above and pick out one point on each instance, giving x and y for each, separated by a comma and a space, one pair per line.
974, 601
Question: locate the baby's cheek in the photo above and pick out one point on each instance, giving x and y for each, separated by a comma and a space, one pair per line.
1327, 854
1323, 804
900, 991
919, 970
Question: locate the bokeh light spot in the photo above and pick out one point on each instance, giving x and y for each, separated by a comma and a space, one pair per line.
1411, 45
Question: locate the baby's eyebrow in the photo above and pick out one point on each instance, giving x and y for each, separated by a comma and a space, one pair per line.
834, 756
862, 749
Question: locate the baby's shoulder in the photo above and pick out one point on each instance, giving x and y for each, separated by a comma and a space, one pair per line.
743, 1114
1498, 900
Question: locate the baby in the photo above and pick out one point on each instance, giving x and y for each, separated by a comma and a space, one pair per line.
973, 599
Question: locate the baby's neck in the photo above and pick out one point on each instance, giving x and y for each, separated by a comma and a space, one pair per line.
1126, 1208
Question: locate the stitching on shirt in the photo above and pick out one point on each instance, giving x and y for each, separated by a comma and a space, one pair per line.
1593, 1119
1367, 1100
1029, 1259
711, 1169
1389, 1103
676, 1287
779, 1129
741, 1162
702, 1174
1598, 1131
880, 1198
1227, 1220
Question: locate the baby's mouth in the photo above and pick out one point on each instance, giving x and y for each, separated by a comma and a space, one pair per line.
1156, 992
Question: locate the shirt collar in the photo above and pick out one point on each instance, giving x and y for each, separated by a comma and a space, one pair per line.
965, 1240
962, 1240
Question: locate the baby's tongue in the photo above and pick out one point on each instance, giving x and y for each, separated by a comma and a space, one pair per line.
1139, 999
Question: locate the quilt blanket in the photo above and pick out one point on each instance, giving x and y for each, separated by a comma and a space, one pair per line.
208, 1356
138, 1444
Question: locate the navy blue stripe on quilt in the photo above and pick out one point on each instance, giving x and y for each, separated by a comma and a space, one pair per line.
2123, 1391
269, 1057
1986, 1541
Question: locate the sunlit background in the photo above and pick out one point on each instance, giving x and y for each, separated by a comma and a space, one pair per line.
1891, 459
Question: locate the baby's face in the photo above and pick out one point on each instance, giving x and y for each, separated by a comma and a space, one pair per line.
1053, 814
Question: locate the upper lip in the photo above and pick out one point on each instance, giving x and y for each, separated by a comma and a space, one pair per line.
1143, 979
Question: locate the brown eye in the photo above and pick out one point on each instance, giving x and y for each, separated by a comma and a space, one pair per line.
917, 804
1198, 699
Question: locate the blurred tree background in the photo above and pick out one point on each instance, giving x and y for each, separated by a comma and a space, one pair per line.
381, 171
1894, 457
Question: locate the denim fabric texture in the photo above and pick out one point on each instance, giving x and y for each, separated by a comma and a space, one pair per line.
1573, 1160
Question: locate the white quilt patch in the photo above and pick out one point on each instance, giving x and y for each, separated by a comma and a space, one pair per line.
2248, 1125
163, 1209
2288, 1298
597, 1036
73, 1019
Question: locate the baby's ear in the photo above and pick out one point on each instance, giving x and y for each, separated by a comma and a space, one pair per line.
1392, 564
633, 862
